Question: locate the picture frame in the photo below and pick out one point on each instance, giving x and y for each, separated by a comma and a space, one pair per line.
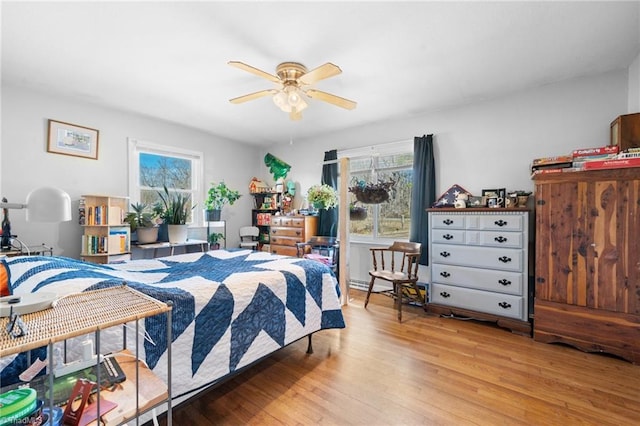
489, 192
72, 139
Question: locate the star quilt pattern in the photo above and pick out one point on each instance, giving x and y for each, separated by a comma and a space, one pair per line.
230, 308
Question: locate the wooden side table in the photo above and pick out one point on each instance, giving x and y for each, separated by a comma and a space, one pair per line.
90, 312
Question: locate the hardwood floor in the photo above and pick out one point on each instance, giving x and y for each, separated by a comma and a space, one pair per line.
426, 371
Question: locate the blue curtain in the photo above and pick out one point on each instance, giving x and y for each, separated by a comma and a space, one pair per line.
423, 194
328, 218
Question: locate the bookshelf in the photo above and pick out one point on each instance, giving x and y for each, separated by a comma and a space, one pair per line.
106, 238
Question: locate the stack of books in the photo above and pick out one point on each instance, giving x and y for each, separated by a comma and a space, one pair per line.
581, 157
551, 164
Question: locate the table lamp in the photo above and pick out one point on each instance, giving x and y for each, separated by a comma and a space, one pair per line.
44, 204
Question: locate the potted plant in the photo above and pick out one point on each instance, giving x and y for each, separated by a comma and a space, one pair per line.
218, 195
175, 213
322, 196
142, 223
214, 240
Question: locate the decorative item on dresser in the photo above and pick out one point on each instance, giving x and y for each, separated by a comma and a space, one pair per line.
588, 260
287, 231
479, 261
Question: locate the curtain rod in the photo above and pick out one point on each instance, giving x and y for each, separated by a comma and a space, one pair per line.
357, 150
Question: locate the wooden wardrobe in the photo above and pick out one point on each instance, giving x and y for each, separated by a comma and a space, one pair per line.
587, 269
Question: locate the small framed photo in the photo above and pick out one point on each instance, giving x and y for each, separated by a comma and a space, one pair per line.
475, 201
490, 192
71, 139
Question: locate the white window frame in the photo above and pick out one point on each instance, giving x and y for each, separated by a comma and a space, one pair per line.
135, 147
392, 148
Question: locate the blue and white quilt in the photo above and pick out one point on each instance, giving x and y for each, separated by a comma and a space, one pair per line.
230, 308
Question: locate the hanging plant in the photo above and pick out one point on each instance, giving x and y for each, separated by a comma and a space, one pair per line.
372, 193
357, 212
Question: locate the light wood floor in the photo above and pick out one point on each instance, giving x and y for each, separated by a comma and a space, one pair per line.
425, 371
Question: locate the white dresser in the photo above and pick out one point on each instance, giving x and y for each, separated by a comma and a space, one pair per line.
480, 265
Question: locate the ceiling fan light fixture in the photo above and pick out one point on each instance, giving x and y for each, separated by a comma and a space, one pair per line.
281, 101
290, 97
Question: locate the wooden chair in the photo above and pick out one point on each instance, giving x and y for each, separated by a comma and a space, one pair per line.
405, 275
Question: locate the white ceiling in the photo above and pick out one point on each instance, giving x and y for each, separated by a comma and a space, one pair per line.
399, 59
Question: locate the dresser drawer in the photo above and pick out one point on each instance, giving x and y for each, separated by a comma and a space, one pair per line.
284, 250
505, 305
504, 222
447, 221
448, 236
482, 279
481, 257
284, 241
499, 238
287, 232
297, 222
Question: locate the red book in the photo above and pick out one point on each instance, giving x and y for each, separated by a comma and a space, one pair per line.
552, 160
612, 164
599, 151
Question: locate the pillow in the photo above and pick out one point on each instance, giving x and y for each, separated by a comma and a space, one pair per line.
5, 279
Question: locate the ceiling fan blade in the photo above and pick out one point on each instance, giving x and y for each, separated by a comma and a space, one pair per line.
252, 96
320, 73
255, 71
332, 99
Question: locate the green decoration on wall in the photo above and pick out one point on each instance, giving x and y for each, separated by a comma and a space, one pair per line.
277, 167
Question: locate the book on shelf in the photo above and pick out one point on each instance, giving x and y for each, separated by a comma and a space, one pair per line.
543, 161
612, 164
555, 171
552, 166
601, 151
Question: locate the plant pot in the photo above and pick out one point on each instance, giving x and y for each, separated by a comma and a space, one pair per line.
212, 215
147, 235
163, 233
357, 213
318, 205
178, 234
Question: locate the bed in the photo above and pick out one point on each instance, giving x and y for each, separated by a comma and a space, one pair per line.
231, 308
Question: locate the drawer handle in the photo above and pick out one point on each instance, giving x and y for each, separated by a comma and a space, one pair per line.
500, 222
298, 232
445, 254
447, 221
445, 274
273, 231
444, 294
501, 239
504, 282
504, 259
447, 236
504, 305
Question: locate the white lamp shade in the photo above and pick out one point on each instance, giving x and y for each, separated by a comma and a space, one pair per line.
48, 205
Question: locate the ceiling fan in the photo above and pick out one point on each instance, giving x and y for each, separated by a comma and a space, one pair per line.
292, 79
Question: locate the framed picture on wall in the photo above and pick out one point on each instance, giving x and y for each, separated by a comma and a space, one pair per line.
72, 139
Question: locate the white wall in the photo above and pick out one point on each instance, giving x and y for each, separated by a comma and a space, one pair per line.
487, 145
634, 86
25, 164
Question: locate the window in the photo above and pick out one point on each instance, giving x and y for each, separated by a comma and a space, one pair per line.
152, 166
390, 219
